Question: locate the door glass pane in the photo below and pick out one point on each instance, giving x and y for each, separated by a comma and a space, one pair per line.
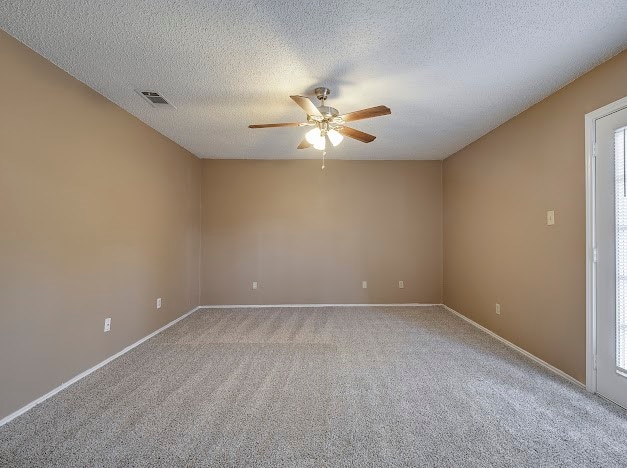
621, 247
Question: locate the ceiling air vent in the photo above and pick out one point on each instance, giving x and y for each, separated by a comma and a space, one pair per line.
154, 98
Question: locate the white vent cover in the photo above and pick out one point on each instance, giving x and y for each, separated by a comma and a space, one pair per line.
154, 98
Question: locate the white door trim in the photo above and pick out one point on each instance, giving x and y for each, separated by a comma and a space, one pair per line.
590, 129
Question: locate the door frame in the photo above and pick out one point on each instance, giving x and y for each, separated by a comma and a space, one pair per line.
591, 292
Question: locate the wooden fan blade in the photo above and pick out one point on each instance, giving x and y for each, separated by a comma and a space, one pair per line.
304, 144
307, 105
366, 113
356, 134
287, 124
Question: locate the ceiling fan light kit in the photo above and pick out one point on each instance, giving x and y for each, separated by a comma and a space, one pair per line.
328, 123
335, 137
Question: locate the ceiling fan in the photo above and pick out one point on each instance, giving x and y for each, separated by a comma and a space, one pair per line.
328, 124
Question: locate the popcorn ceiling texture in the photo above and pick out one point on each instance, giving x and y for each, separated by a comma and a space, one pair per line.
450, 70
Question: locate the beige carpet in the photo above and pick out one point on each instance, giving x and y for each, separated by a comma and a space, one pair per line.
320, 387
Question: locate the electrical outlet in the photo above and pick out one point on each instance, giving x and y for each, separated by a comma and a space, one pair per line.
254, 285
498, 309
401, 285
158, 303
107, 326
364, 284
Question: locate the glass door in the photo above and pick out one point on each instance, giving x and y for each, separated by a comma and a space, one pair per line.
611, 235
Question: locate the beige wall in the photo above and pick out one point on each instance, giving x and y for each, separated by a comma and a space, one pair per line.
497, 247
99, 216
312, 236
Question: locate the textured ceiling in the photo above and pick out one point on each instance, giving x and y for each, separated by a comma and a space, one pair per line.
450, 70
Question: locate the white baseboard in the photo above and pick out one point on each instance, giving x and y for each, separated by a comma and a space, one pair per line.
78, 377
266, 306
534, 358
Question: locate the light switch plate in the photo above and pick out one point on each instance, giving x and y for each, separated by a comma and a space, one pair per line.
401, 285
254, 285
107, 325
550, 218
364, 284
158, 303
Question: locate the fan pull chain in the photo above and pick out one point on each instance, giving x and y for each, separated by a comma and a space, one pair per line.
324, 153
